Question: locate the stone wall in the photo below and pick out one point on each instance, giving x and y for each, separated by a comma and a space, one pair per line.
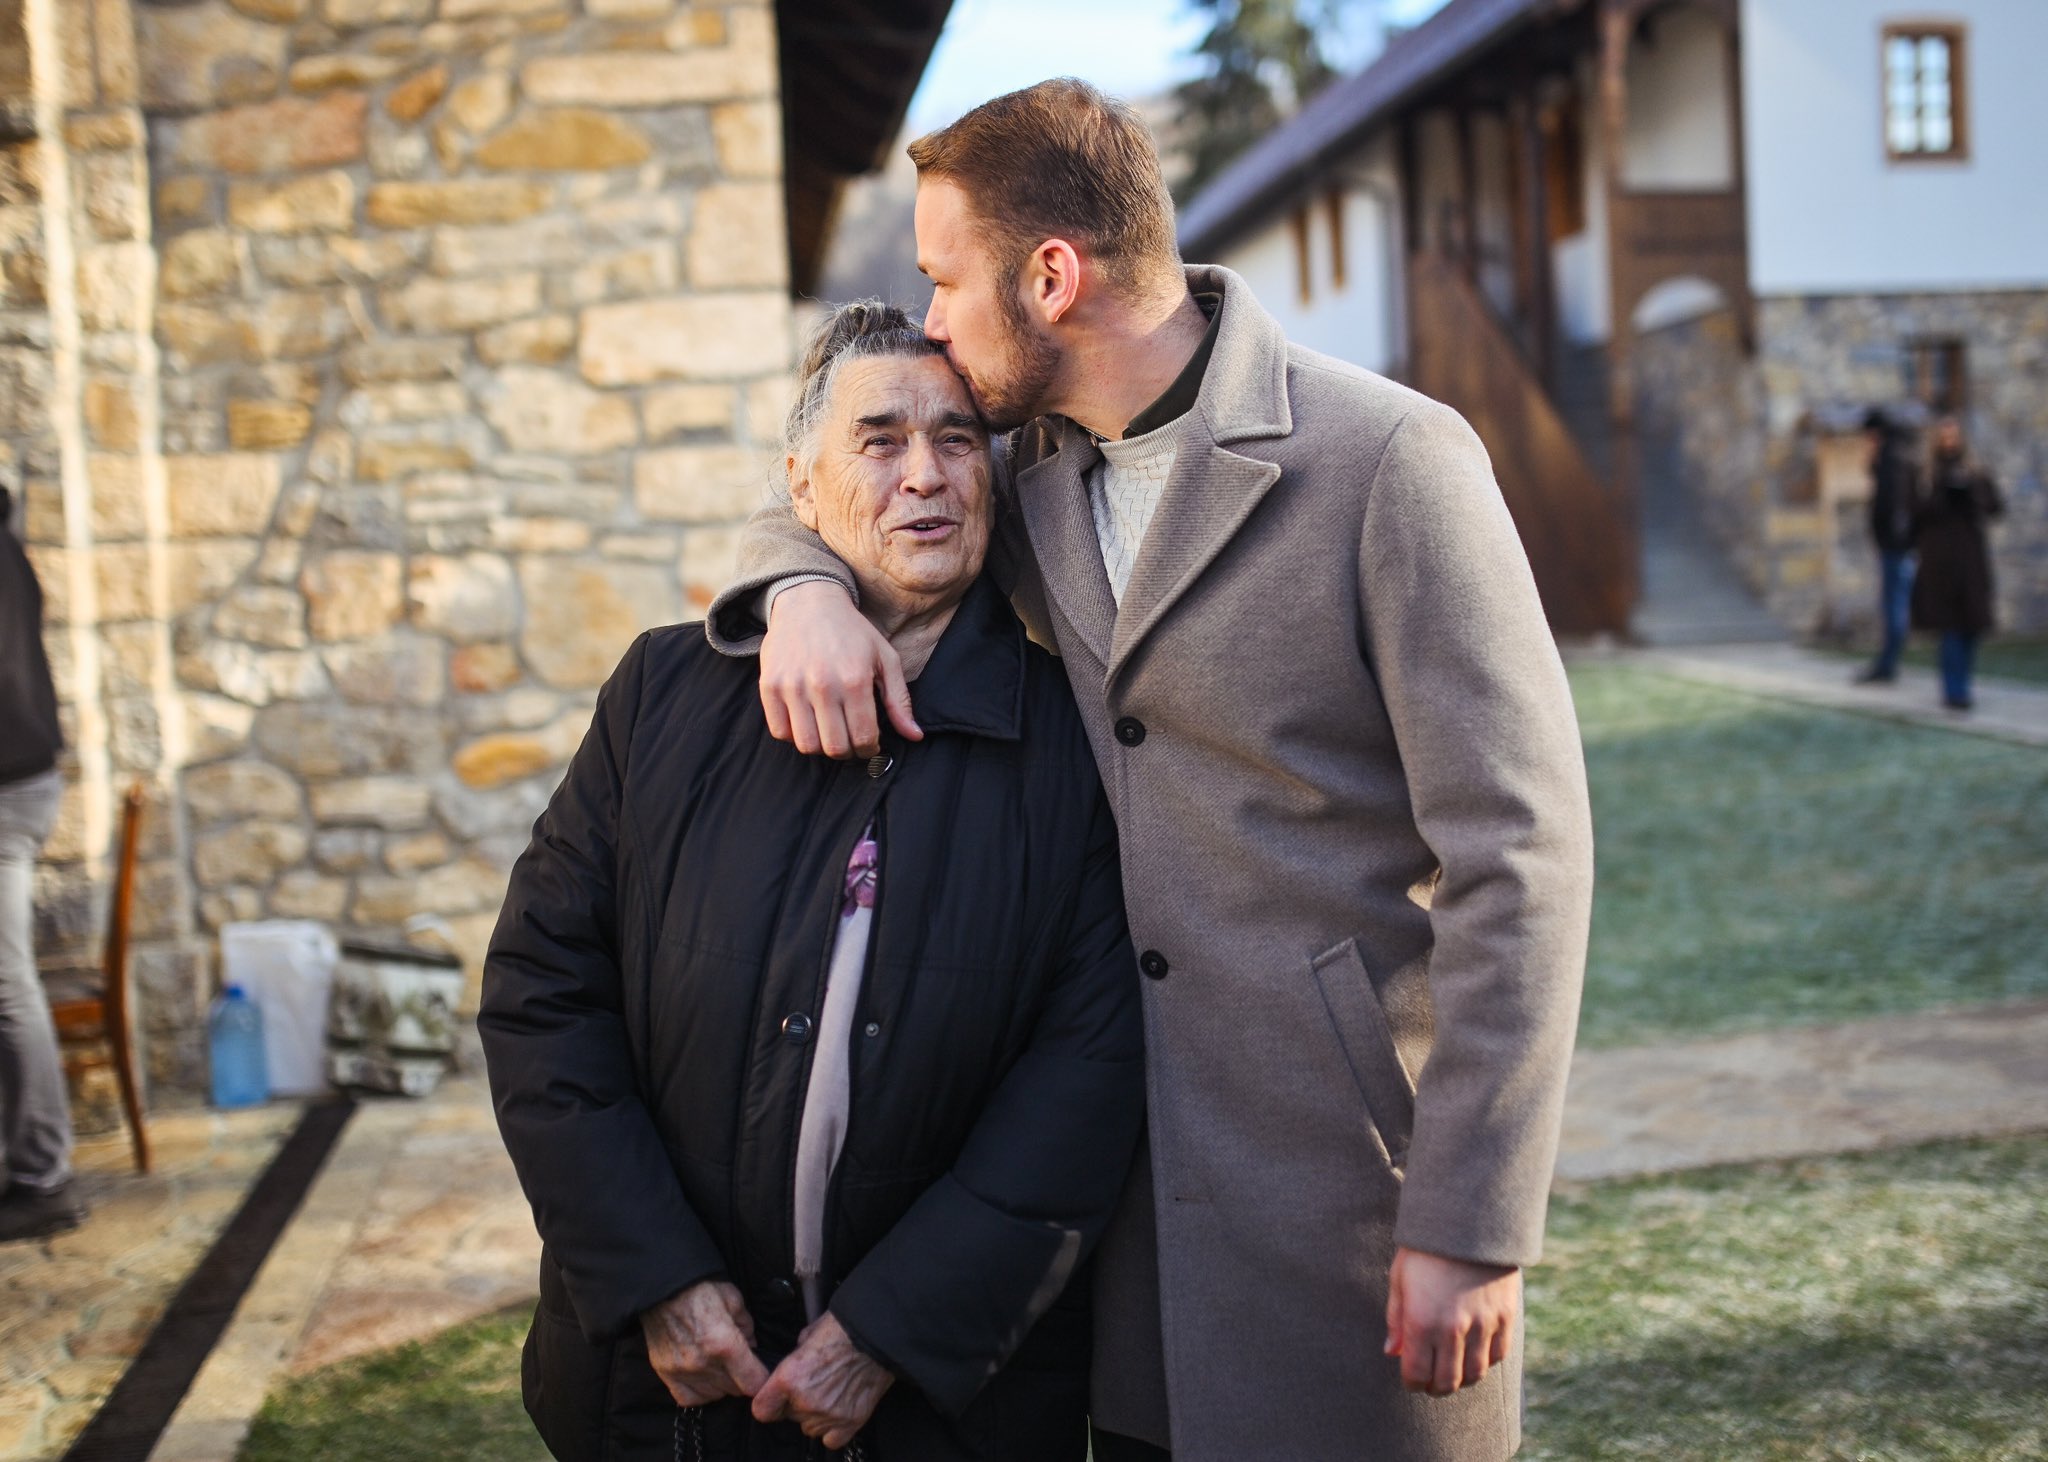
1751, 427
473, 331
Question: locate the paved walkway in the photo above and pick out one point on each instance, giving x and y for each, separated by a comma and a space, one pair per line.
76, 1308
417, 1223
2007, 710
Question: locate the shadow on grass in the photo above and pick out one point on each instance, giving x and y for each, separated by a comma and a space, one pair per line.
454, 1398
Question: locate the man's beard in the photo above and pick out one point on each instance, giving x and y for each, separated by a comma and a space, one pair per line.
1016, 395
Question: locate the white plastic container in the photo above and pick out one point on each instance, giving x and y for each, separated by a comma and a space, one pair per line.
287, 967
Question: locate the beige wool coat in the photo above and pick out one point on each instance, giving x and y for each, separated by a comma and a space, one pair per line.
1357, 855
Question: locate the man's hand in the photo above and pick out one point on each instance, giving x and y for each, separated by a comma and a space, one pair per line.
701, 1344
821, 664
1448, 1320
826, 1386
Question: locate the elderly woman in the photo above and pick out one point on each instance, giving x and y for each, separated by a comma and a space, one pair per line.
822, 1077
1953, 593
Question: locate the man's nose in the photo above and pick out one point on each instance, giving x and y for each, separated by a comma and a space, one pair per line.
934, 319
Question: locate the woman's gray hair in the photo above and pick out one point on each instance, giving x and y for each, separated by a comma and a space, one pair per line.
863, 330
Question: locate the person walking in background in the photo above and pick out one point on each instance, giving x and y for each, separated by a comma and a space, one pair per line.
1953, 592
1894, 494
35, 1113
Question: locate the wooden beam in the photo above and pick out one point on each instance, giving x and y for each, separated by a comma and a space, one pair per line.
1468, 198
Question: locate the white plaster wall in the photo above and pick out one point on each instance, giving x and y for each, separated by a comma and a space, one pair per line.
1830, 214
1355, 323
1680, 134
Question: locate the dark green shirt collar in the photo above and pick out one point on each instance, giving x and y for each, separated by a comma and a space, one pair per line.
1178, 399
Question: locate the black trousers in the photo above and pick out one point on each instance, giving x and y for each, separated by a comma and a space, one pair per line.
1115, 1447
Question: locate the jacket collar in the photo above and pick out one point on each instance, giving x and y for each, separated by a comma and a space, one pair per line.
974, 681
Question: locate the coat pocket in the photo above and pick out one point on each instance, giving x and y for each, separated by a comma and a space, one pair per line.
1353, 1005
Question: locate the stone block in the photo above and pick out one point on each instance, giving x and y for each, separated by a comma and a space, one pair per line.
386, 461
482, 102
709, 337
668, 410
354, 14
634, 274
254, 677
105, 131
455, 888
708, 484
110, 415
267, 426
202, 570
457, 201
121, 574
417, 95
434, 306
220, 494
112, 293
387, 802
709, 561
565, 139
631, 9
492, 761
306, 260
182, 201
188, 52
279, 12
466, 9
736, 236
402, 360
201, 262
351, 594
535, 243
544, 340
228, 790
415, 851
479, 669
465, 599
639, 79
594, 611
304, 894
539, 535
288, 135
749, 136
247, 853
318, 203
325, 73
386, 401
543, 411
262, 614
119, 506
114, 190
194, 336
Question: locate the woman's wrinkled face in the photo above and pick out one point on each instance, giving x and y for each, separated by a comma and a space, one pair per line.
900, 486
1948, 436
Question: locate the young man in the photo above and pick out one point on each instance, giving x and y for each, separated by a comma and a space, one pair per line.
1348, 784
35, 1113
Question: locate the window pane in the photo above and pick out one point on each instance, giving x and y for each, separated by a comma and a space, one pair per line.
1934, 97
1934, 55
1936, 134
1904, 135
1899, 58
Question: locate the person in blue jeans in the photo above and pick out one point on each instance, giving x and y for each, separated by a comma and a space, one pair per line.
35, 1112
1953, 592
1894, 495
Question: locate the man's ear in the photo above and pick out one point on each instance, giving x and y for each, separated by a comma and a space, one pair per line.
1053, 279
802, 501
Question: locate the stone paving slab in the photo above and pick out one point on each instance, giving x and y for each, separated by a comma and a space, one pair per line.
1808, 1090
415, 1225
75, 1309
2006, 710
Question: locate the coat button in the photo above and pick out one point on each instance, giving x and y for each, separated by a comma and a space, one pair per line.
1130, 731
1153, 964
878, 765
796, 1028
781, 1289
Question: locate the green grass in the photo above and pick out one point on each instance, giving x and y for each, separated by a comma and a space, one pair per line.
454, 1398
1763, 864
1887, 1306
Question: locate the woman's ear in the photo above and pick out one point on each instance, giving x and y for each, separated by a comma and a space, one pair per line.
802, 501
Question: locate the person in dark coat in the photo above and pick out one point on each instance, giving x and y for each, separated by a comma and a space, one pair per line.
823, 1078
1953, 591
1894, 496
37, 1196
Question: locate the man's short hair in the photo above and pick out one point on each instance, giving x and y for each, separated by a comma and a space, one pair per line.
1062, 160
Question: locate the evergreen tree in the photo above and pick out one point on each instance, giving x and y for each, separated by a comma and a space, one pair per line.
1264, 58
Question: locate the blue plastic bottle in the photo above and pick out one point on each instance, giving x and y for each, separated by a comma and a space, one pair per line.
241, 1077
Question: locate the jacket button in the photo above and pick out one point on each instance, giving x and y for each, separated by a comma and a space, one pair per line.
796, 1028
878, 765
1153, 964
1130, 731
781, 1289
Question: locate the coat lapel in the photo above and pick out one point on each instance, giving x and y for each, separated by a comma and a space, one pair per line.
1207, 499
1054, 495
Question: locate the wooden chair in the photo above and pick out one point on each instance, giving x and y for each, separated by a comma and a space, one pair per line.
96, 1031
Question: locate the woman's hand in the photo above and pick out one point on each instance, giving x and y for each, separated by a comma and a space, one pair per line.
701, 1344
826, 1386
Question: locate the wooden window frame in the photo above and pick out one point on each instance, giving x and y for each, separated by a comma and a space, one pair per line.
1304, 281
1957, 35
1953, 351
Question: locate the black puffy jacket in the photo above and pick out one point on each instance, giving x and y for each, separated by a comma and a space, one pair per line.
678, 903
